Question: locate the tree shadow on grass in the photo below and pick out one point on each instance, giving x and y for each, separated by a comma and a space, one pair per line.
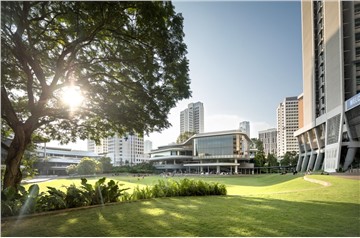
201, 216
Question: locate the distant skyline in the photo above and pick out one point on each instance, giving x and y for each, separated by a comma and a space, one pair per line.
244, 59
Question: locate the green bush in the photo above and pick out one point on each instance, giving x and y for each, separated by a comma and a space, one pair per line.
75, 197
53, 200
19, 202
26, 202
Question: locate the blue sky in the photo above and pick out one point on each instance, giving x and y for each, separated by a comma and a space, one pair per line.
244, 59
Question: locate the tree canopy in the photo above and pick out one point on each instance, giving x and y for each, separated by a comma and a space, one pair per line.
126, 59
184, 136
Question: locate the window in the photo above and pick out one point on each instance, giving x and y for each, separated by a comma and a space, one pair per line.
357, 22
357, 37
357, 9
357, 51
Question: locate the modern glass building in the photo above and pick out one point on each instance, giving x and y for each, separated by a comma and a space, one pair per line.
215, 152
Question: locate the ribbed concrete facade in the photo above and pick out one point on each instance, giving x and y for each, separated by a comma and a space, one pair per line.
329, 80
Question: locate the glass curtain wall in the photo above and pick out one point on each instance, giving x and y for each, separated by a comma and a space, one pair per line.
219, 146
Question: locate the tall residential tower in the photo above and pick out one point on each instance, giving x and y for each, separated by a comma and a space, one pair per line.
244, 126
330, 104
287, 124
192, 118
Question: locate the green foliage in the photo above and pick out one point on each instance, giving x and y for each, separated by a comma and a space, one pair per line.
71, 169
89, 166
138, 168
144, 193
20, 201
271, 160
184, 136
290, 159
75, 197
26, 202
183, 187
106, 164
260, 158
132, 69
101, 193
53, 200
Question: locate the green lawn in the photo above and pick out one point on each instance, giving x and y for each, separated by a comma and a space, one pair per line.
270, 205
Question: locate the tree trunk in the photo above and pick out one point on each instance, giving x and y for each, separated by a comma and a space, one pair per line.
13, 176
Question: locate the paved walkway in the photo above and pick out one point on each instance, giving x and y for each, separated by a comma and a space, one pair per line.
36, 180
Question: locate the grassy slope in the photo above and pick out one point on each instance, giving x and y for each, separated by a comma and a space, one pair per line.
270, 205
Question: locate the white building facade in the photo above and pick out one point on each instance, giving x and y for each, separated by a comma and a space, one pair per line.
269, 140
128, 149
330, 132
287, 123
192, 118
244, 126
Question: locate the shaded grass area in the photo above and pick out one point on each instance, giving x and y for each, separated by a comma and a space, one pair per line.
291, 207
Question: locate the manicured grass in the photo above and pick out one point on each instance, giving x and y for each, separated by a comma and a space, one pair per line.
271, 205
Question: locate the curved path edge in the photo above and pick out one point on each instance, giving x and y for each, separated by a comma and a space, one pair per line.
325, 184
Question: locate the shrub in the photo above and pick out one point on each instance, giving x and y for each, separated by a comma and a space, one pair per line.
71, 169
101, 193
19, 202
75, 198
54, 200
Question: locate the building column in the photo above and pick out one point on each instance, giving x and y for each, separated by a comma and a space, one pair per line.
318, 161
301, 158
311, 161
236, 166
350, 155
218, 169
305, 163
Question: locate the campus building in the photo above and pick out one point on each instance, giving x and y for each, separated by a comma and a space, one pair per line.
128, 149
287, 124
192, 118
215, 152
244, 126
54, 161
269, 140
329, 114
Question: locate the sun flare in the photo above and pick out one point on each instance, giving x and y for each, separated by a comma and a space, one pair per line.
72, 97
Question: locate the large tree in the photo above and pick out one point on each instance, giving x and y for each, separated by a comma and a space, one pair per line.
126, 59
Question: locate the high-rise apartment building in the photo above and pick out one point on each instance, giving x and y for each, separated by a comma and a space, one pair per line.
244, 127
287, 124
128, 149
192, 118
269, 140
330, 112
147, 147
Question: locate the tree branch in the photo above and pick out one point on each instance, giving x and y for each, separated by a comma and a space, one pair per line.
7, 110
